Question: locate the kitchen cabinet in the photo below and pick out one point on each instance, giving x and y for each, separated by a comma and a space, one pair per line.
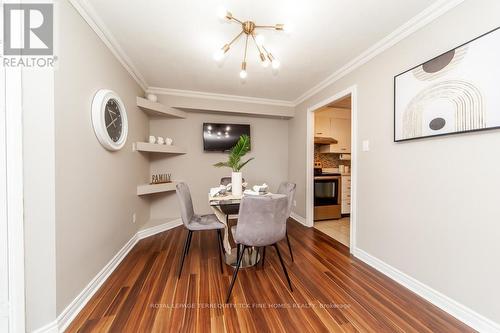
345, 184
322, 126
340, 130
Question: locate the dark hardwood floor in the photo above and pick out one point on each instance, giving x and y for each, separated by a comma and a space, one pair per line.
333, 292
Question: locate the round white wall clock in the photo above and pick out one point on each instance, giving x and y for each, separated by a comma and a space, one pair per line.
109, 119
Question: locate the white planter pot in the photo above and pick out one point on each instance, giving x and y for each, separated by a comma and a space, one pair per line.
236, 178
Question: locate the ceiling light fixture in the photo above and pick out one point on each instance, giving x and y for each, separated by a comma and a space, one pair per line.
249, 29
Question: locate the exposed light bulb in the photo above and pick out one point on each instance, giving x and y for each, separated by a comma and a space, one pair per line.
218, 55
276, 64
288, 28
265, 63
259, 39
243, 74
222, 13
228, 128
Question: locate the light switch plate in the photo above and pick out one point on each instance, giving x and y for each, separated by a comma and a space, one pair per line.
366, 145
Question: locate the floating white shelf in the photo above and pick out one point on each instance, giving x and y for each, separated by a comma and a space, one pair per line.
157, 109
156, 148
146, 189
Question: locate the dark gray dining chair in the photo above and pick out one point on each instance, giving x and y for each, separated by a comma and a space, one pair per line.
261, 223
288, 189
194, 222
231, 212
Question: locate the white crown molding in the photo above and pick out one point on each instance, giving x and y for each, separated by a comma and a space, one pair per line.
71, 311
220, 97
417, 22
85, 9
454, 308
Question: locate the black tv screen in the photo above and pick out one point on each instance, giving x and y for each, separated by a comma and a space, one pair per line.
222, 137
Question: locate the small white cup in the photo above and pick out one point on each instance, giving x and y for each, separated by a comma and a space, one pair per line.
160, 140
152, 139
168, 141
152, 97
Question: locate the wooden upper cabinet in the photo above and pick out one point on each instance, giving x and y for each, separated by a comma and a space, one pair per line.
322, 126
340, 130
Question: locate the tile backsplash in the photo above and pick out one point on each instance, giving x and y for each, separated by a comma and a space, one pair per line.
329, 160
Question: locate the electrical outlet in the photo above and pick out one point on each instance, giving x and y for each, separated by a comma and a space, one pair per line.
134, 218
295, 203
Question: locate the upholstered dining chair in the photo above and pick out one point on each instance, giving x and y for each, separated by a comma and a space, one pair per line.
288, 189
231, 212
194, 222
261, 223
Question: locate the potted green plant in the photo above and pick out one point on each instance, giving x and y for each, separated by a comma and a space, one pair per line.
234, 162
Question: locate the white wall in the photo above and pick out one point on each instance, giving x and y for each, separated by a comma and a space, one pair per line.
269, 147
428, 207
39, 197
95, 188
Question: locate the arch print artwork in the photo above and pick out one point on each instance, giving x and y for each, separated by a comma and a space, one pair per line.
456, 92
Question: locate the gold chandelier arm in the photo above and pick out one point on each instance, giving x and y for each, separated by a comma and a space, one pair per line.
235, 38
257, 45
235, 19
246, 46
279, 26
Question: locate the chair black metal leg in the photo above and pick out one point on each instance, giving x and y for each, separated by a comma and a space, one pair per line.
263, 256
189, 244
289, 246
237, 251
283, 265
186, 249
235, 274
220, 247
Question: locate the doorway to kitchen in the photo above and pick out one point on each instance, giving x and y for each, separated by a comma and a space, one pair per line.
331, 167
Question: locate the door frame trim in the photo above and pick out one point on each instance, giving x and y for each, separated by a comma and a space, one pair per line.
14, 198
352, 90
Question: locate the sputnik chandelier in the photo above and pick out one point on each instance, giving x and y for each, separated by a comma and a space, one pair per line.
248, 28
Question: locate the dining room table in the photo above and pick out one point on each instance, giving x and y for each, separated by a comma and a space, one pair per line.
224, 206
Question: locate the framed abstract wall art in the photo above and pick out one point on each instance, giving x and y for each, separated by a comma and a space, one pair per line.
456, 92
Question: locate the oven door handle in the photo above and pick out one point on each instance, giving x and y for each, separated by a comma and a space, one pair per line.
327, 178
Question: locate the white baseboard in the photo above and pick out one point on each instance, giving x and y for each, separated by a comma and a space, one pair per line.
167, 225
66, 317
457, 310
298, 218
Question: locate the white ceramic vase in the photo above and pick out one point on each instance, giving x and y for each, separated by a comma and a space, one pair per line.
236, 179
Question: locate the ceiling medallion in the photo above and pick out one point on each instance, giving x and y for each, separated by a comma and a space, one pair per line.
248, 28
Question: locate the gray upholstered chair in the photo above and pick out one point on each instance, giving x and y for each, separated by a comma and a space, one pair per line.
261, 223
288, 189
230, 211
194, 222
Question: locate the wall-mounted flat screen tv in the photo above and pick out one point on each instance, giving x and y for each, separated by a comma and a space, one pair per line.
222, 137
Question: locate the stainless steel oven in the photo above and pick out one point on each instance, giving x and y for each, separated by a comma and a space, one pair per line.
327, 201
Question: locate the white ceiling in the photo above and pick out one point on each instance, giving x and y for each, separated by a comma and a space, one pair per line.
171, 43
